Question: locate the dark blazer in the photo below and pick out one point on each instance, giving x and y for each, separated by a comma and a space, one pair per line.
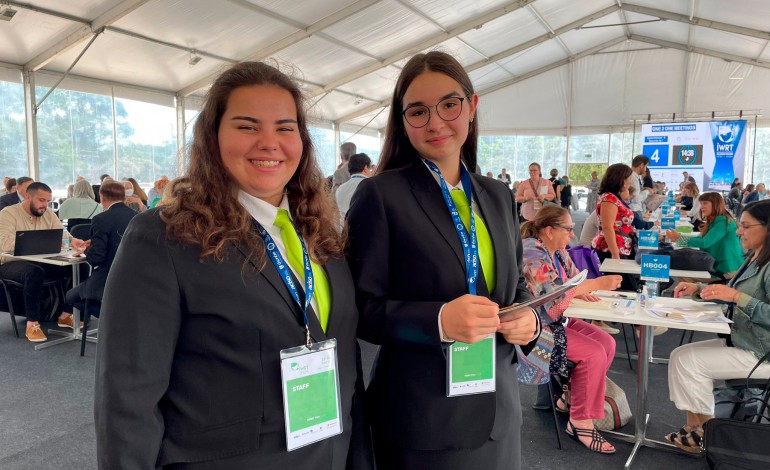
8, 200
407, 262
188, 366
107, 230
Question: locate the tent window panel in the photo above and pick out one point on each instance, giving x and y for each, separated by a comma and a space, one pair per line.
147, 146
13, 143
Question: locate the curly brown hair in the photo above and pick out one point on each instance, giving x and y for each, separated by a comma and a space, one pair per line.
207, 212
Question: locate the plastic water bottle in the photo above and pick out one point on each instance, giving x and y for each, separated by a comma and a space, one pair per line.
65, 242
652, 292
641, 296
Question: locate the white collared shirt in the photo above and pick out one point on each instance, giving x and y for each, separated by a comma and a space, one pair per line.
265, 213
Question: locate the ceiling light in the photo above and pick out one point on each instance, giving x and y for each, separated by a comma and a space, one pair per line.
357, 100
7, 13
194, 58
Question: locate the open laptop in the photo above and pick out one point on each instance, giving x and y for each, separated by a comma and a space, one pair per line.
38, 242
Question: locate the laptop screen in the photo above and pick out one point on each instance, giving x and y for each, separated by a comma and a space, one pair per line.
38, 242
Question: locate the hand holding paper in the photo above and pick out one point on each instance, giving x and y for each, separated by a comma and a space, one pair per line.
469, 318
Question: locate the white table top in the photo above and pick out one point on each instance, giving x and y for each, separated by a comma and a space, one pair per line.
46, 258
629, 266
640, 317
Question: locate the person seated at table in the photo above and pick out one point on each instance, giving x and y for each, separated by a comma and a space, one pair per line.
32, 214
17, 197
82, 204
689, 195
107, 229
718, 237
546, 265
693, 367
133, 201
638, 222
155, 194
10, 186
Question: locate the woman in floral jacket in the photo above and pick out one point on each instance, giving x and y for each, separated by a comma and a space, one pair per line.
546, 266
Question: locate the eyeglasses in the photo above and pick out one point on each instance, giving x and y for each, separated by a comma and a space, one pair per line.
448, 109
745, 226
566, 227
534, 171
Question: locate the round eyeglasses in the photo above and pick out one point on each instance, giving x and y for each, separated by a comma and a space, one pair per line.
448, 109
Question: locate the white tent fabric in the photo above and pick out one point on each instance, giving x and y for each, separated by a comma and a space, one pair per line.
537, 64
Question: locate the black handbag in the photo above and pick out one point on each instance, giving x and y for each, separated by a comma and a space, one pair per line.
732, 444
686, 259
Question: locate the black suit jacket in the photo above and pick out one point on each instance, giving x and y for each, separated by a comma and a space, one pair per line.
8, 200
188, 366
407, 262
107, 230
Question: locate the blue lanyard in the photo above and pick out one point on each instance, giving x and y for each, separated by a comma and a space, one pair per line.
470, 244
559, 269
285, 273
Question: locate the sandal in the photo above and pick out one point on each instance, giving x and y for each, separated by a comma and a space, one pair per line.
559, 409
689, 441
671, 437
596, 438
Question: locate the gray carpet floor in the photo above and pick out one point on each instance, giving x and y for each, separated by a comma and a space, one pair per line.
46, 418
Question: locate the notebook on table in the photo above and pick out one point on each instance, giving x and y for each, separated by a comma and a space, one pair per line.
38, 242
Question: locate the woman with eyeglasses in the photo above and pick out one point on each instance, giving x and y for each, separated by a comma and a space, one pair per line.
435, 251
546, 266
717, 235
534, 192
694, 367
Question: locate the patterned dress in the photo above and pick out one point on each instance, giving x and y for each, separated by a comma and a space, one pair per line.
624, 228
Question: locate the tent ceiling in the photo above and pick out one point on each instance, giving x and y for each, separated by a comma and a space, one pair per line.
535, 63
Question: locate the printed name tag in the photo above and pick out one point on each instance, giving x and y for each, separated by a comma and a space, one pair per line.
471, 367
311, 393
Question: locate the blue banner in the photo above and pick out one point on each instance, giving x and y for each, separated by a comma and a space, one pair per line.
725, 135
656, 267
668, 223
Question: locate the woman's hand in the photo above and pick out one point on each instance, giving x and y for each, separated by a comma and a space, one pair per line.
673, 235
615, 254
469, 318
719, 292
521, 327
609, 282
684, 289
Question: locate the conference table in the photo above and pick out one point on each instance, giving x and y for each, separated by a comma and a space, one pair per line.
637, 315
63, 259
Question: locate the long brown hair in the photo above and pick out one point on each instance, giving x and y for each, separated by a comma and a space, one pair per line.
547, 216
717, 208
397, 151
614, 178
207, 212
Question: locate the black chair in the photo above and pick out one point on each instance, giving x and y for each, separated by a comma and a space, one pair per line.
54, 286
92, 308
81, 231
548, 389
746, 399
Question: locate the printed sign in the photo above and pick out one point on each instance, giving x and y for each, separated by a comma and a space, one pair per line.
648, 239
668, 223
656, 267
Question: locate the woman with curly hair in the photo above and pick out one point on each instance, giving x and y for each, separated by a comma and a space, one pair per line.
243, 267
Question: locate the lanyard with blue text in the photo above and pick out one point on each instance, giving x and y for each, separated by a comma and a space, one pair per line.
470, 244
285, 273
559, 269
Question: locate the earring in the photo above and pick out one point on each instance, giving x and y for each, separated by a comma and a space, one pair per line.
471, 118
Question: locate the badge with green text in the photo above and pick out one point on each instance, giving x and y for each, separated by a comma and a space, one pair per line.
311, 393
471, 367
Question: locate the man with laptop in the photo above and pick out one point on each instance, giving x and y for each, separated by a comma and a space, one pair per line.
31, 215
